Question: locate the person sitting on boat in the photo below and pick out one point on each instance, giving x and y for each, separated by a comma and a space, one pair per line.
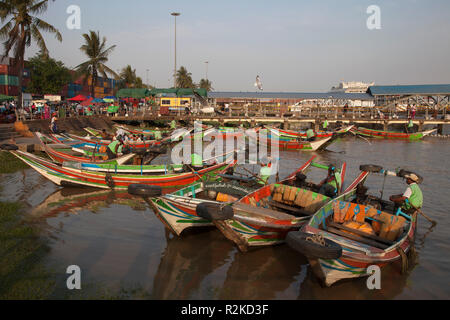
105, 135
173, 124
265, 171
196, 161
412, 198
331, 184
325, 124
310, 135
113, 148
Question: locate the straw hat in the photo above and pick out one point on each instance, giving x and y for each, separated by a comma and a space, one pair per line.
413, 177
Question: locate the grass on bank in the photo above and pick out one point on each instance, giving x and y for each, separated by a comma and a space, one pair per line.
22, 271
10, 164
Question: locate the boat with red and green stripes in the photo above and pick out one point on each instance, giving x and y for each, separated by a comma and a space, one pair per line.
66, 176
380, 134
261, 217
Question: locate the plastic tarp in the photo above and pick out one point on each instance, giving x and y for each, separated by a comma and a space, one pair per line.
113, 109
78, 98
87, 102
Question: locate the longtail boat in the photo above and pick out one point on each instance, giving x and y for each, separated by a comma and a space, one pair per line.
139, 169
63, 155
64, 176
354, 235
258, 218
295, 144
290, 134
145, 132
380, 134
134, 144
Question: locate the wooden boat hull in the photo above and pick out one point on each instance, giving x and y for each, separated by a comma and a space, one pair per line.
295, 144
356, 256
99, 142
290, 134
61, 157
74, 177
178, 212
379, 134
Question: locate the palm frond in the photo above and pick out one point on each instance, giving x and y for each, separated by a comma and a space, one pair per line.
42, 25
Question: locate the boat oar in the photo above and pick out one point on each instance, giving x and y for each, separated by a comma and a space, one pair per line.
254, 175
433, 223
360, 137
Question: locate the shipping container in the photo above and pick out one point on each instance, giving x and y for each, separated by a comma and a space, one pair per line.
9, 90
9, 80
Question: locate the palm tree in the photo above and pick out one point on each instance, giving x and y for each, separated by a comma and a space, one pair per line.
184, 78
23, 28
128, 76
98, 55
205, 84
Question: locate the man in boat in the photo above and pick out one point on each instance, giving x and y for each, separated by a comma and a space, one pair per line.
331, 184
412, 198
113, 148
173, 124
196, 161
325, 124
105, 135
310, 135
265, 171
410, 127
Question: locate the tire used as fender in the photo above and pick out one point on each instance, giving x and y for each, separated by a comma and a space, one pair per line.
8, 146
214, 211
144, 190
297, 241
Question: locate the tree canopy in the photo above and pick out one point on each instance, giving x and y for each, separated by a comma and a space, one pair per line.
95, 49
48, 75
184, 79
23, 27
205, 84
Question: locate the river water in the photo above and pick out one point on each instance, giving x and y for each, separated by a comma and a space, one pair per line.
120, 245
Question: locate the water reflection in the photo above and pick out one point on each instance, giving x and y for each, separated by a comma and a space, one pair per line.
117, 239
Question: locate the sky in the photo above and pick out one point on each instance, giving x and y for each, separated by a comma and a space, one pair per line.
293, 45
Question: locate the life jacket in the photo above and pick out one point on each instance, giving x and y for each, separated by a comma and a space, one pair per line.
196, 160
264, 174
416, 198
112, 146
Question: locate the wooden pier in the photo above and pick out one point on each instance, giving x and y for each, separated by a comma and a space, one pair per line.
285, 122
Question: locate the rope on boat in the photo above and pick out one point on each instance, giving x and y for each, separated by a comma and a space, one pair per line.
317, 238
404, 260
109, 180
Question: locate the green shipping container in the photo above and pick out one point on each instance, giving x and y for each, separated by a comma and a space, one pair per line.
9, 80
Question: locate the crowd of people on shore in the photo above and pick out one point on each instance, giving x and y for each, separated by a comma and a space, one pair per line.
10, 113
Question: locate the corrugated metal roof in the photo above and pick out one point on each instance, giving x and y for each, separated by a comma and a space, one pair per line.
426, 89
290, 95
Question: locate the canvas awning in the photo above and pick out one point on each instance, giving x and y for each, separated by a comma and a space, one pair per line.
78, 98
